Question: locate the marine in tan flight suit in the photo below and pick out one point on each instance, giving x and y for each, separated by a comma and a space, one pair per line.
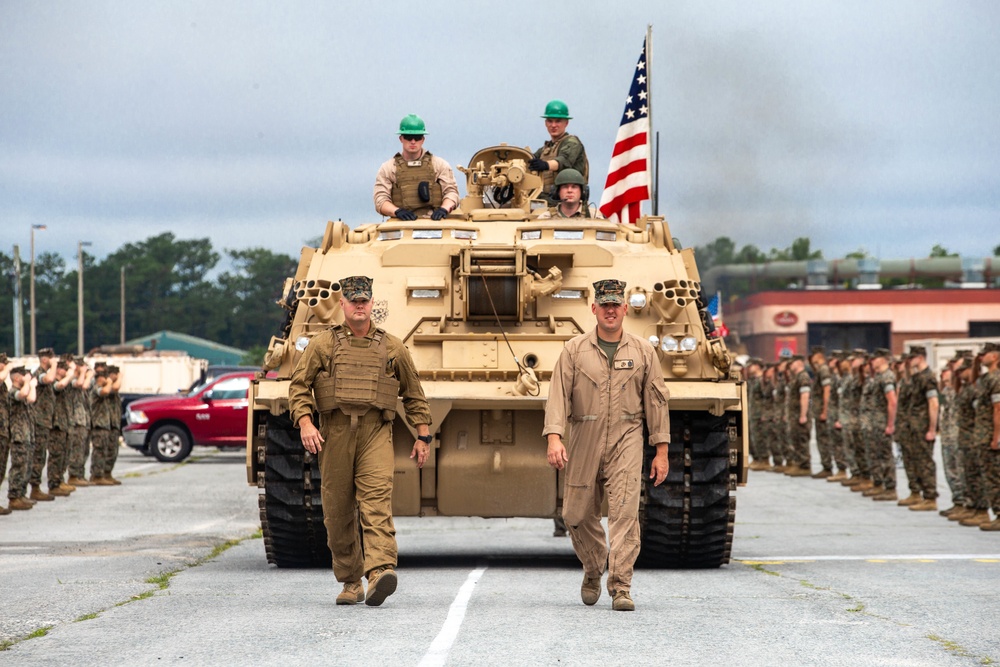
352, 374
606, 383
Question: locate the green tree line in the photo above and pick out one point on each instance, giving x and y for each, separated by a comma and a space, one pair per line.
167, 286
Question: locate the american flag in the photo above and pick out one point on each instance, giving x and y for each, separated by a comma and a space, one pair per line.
628, 176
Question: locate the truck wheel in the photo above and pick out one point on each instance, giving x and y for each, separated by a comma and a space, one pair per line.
687, 522
291, 509
170, 444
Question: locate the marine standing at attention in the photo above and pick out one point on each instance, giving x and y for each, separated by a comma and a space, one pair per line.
352, 374
561, 151
415, 183
607, 383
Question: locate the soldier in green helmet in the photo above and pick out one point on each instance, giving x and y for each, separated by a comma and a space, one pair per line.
571, 193
561, 151
415, 183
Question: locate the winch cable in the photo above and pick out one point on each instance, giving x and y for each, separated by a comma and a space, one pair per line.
521, 367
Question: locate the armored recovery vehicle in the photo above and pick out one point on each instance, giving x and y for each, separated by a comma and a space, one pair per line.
485, 300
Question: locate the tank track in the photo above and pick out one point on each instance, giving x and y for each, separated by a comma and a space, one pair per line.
291, 511
688, 521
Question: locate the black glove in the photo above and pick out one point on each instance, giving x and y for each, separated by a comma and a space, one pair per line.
404, 214
538, 165
438, 213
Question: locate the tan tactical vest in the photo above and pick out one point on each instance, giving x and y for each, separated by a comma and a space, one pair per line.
549, 152
409, 175
360, 378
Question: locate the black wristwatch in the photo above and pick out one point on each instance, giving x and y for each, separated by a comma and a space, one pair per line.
426, 438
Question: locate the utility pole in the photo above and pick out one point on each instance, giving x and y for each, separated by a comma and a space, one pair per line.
123, 306
31, 289
79, 295
18, 306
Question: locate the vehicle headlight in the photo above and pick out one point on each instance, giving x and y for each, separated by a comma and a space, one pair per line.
654, 341
637, 300
136, 417
668, 344
301, 342
689, 343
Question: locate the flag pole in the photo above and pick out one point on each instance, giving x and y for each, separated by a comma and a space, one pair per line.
649, 114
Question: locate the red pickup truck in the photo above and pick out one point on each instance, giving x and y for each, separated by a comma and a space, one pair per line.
212, 414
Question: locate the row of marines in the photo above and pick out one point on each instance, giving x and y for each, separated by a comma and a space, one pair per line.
858, 404
49, 418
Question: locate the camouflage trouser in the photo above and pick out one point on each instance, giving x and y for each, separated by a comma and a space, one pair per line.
975, 474
904, 438
115, 447
841, 454
855, 446
20, 465
4, 453
775, 441
105, 446
824, 443
798, 437
79, 450
880, 460
991, 457
924, 467
758, 447
954, 470
58, 458
38, 457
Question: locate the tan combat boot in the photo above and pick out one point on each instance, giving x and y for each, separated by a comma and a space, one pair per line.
114, 481
863, 485
960, 513
991, 525
839, 477
798, 471
911, 499
353, 593
623, 602
21, 503
590, 591
758, 465
778, 467
886, 495
38, 494
4, 511
951, 510
67, 487
873, 491
60, 492
822, 474
977, 518
381, 584
77, 481
925, 505
101, 481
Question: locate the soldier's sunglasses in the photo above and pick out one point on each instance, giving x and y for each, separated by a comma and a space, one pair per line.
413, 137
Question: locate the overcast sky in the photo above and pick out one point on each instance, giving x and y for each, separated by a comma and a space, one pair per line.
856, 123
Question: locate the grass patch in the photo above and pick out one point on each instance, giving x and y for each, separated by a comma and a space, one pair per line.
858, 609
6, 644
87, 617
759, 567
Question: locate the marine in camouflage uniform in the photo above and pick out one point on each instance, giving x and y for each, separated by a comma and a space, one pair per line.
114, 407
799, 389
22, 395
987, 432
4, 422
770, 419
755, 421
923, 425
822, 387
561, 151
785, 425
840, 454
849, 395
59, 436
42, 411
880, 426
79, 429
100, 430
951, 455
904, 435
975, 508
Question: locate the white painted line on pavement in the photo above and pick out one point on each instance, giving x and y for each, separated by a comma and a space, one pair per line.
437, 654
803, 559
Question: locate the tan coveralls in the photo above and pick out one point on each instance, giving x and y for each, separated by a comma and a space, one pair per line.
606, 407
356, 466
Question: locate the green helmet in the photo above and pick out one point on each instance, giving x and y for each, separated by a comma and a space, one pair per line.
567, 176
557, 109
412, 124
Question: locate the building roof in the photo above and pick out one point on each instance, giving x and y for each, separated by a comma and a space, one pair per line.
200, 348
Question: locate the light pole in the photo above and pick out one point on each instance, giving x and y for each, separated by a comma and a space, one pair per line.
123, 305
31, 289
79, 295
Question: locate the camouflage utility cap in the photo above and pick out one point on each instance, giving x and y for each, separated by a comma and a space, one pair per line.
817, 349
357, 287
918, 351
46, 352
991, 347
882, 352
113, 369
609, 291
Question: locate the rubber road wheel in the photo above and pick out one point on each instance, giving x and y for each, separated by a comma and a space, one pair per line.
170, 444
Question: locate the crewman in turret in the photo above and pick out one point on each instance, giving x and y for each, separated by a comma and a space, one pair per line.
352, 374
561, 151
415, 183
571, 193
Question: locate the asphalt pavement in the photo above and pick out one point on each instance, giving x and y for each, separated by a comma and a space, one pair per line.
169, 569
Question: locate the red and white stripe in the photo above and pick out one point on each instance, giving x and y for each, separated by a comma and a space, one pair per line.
628, 180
